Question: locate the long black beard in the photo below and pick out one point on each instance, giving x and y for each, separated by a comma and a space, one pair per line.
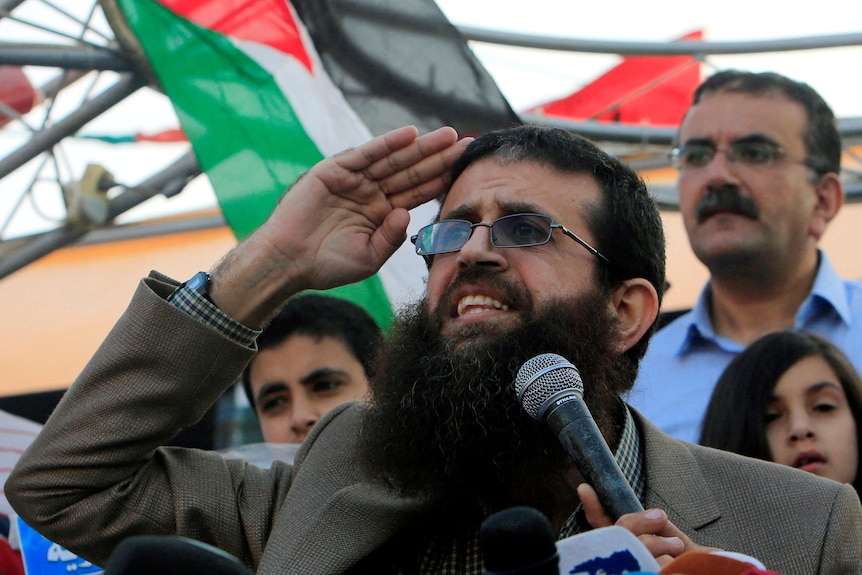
447, 421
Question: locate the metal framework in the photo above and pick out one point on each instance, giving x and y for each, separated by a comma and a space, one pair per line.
95, 63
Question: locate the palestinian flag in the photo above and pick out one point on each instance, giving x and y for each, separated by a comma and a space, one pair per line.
259, 107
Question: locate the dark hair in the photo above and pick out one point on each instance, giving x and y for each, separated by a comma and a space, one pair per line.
821, 137
735, 419
627, 224
321, 316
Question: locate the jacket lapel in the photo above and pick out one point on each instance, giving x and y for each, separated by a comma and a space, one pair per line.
674, 480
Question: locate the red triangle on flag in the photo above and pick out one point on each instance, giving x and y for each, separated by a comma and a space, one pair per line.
642, 89
267, 22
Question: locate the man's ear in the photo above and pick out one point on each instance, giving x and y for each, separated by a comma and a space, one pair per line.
830, 197
635, 304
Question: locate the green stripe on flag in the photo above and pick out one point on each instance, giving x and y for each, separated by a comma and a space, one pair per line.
371, 296
244, 131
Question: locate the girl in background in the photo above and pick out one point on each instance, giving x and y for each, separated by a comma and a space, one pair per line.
792, 398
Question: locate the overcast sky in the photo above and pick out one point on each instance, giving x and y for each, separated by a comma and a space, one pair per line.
528, 77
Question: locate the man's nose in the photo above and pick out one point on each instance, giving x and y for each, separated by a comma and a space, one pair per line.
478, 250
721, 169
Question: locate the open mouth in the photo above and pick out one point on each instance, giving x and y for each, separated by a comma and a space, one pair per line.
808, 460
479, 303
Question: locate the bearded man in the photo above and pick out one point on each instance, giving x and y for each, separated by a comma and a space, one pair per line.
543, 243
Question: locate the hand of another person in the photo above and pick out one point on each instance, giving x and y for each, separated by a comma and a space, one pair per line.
652, 527
338, 223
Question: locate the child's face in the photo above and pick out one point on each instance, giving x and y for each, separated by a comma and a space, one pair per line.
809, 422
295, 382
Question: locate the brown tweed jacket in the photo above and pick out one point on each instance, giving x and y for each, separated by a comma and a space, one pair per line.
96, 473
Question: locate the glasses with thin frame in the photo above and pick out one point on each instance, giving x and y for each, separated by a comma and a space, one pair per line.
750, 153
512, 231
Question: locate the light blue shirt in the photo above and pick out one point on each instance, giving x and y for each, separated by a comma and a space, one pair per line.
686, 358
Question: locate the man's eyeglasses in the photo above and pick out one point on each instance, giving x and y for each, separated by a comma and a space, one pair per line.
513, 231
752, 153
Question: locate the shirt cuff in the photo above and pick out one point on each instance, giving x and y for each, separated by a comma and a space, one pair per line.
194, 304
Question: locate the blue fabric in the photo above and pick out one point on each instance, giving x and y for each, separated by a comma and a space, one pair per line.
685, 358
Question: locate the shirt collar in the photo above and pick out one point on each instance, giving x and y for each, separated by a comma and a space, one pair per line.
828, 290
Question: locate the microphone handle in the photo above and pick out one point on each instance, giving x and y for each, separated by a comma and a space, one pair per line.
581, 438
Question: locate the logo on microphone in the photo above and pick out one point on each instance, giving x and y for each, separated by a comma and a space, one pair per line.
565, 399
616, 563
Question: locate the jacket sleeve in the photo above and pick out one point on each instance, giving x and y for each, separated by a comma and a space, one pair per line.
842, 547
96, 474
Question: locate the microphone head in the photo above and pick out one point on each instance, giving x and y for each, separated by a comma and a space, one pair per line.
518, 540
171, 555
544, 379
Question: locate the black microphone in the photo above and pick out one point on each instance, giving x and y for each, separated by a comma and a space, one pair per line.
518, 541
171, 555
551, 391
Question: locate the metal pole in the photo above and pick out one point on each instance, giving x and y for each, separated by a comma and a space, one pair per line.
45, 139
171, 180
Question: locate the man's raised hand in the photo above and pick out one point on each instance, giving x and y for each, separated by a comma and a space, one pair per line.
338, 223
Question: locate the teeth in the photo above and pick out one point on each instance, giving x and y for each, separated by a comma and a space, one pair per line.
478, 304
806, 460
